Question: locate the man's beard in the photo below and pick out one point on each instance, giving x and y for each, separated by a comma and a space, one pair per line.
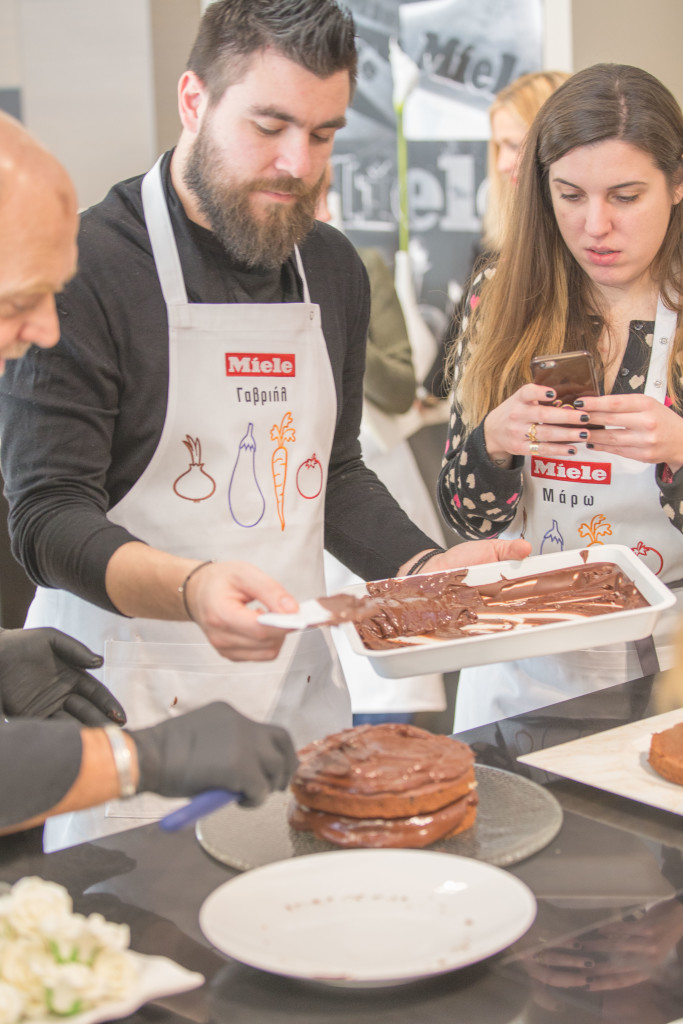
265, 241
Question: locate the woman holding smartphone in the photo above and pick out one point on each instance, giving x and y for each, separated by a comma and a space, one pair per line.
591, 260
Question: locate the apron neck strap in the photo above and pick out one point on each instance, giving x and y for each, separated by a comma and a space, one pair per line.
662, 341
160, 230
665, 323
302, 275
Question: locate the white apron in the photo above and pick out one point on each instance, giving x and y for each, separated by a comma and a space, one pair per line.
615, 501
239, 473
395, 465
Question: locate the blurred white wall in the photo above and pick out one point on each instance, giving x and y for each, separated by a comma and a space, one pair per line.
98, 80
87, 87
10, 62
646, 33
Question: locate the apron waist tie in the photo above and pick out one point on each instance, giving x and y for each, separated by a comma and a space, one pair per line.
647, 656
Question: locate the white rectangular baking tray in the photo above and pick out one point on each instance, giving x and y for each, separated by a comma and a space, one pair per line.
529, 641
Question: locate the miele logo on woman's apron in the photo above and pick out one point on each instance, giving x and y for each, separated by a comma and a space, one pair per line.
262, 364
581, 472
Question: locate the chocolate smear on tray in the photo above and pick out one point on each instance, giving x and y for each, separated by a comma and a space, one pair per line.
443, 606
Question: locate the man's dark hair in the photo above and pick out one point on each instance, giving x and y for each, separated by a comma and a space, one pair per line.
319, 35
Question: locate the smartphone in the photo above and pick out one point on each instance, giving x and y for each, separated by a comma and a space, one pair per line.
571, 374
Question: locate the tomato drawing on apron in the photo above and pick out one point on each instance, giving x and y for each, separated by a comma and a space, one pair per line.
239, 474
591, 499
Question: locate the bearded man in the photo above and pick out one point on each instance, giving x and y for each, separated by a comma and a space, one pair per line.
204, 401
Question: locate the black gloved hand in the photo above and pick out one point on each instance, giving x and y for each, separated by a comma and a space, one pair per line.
215, 747
42, 673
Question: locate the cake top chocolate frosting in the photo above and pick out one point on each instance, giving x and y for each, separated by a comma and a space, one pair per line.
389, 758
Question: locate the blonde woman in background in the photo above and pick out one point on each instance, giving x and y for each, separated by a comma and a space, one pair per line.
510, 114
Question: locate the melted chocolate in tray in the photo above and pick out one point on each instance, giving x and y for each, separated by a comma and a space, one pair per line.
442, 606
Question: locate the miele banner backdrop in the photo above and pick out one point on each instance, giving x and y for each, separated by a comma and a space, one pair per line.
462, 53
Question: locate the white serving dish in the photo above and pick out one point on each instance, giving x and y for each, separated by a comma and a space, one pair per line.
432, 655
366, 918
157, 977
616, 760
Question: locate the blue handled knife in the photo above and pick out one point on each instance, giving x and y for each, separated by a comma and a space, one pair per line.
204, 803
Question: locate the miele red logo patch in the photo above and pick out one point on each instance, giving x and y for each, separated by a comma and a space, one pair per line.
261, 364
574, 472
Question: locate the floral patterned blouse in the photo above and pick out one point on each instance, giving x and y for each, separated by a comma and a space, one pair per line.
479, 499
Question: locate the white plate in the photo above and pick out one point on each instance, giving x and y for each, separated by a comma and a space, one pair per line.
367, 917
616, 760
158, 977
430, 655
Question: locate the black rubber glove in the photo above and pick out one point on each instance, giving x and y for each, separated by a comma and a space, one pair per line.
42, 674
215, 747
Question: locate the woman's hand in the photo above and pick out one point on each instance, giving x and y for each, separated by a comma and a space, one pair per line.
649, 431
522, 426
473, 552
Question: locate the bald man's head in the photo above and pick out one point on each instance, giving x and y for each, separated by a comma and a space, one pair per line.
38, 227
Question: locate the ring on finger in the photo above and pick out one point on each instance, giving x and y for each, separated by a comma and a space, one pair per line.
533, 448
531, 433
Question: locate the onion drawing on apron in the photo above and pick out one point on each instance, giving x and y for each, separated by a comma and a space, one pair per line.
195, 484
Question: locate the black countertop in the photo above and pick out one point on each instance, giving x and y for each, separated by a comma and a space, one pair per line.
616, 866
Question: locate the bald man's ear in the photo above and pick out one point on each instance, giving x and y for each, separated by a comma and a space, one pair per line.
193, 100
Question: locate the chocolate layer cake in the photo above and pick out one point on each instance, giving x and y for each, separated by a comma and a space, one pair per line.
388, 785
666, 753
442, 606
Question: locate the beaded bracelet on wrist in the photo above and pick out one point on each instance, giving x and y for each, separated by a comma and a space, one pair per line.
182, 588
423, 559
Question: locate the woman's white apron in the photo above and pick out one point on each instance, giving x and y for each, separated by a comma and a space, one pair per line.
614, 501
239, 473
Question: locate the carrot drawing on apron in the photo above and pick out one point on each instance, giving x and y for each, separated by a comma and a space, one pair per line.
597, 528
283, 434
245, 496
194, 484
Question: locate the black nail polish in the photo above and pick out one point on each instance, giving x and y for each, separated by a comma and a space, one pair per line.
578, 404
589, 445
583, 435
572, 451
585, 417
550, 394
